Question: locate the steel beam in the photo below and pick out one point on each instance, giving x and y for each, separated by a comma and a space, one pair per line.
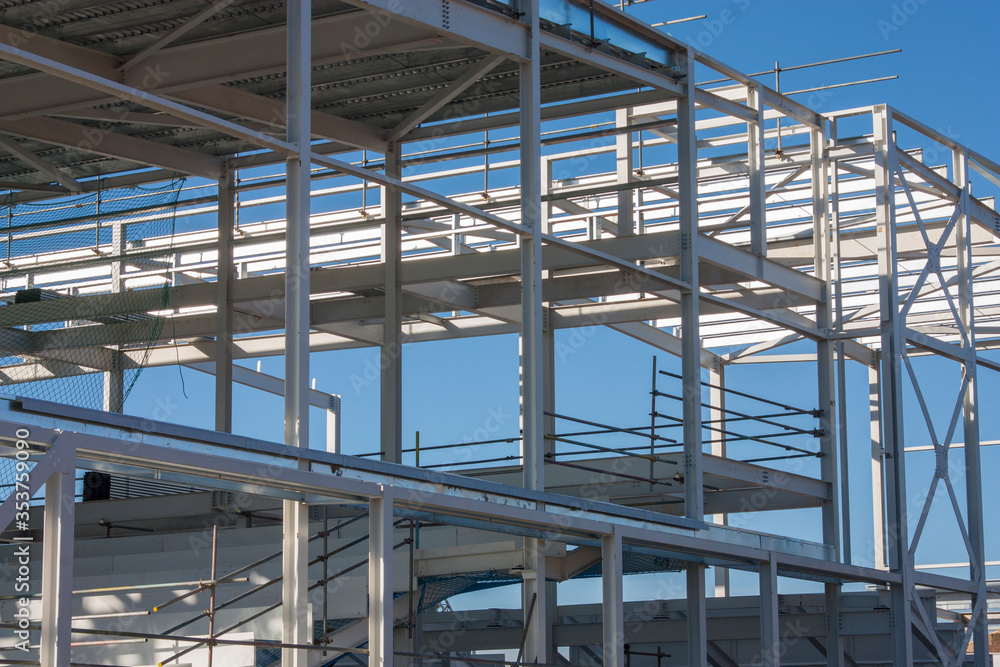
257, 107
463, 22
113, 144
453, 90
41, 165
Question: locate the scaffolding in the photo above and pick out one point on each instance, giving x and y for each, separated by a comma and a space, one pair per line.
599, 173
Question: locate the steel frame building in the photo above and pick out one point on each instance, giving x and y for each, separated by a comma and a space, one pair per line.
845, 237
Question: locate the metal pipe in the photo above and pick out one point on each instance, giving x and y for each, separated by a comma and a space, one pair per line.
815, 413
591, 423
652, 420
743, 436
676, 21
610, 472
652, 458
743, 416
211, 598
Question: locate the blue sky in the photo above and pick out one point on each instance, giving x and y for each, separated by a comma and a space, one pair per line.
946, 72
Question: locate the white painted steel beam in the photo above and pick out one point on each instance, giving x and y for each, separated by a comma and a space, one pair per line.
462, 22
257, 107
40, 164
113, 144
453, 90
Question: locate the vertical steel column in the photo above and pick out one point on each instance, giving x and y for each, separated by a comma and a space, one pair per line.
613, 602
970, 413
295, 546
532, 358
825, 370
694, 499
114, 379
878, 468
892, 387
380, 583
223, 300
333, 425
834, 640
756, 158
687, 160
549, 382
391, 363
717, 399
57, 563
623, 153
770, 629
838, 326
537, 647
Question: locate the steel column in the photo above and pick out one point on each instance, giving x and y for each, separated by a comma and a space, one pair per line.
878, 468
57, 563
756, 159
697, 623
623, 153
687, 162
717, 399
537, 646
970, 416
224, 309
295, 556
834, 640
380, 581
532, 358
770, 629
694, 498
825, 370
391, 361
892, 388
333, 425
114, 379
613, 605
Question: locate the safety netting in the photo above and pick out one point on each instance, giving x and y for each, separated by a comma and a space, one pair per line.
84, 289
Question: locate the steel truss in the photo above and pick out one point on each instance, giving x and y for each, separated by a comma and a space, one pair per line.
700, 229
